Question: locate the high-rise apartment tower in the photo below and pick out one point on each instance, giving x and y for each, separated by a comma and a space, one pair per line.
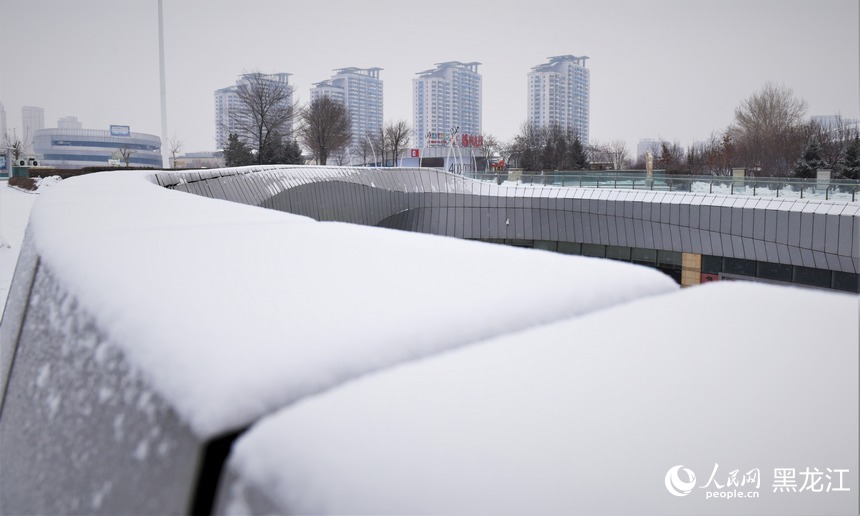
559, 93
445, 100
32, 120
2, 123
360, 91
227, 99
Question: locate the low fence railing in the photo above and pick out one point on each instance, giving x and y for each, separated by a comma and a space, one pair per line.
835, 189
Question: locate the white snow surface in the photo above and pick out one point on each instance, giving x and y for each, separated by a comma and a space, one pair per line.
586, 416
232, 311
15, 206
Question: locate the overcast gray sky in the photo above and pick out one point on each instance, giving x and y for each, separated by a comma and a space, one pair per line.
659, 68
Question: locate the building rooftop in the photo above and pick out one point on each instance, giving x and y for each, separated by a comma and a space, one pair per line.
441, 67
554, 61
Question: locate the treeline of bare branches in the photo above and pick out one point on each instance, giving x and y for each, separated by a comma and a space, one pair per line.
264, 118
384, 146
770, 136
549, 148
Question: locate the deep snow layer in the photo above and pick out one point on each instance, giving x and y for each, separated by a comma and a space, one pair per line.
232, 311
15, 206
586, 416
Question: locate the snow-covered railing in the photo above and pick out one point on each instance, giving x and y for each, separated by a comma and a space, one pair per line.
146, 324
845, 190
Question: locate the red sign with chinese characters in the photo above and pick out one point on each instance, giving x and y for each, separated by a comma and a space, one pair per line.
471, 140
414, 153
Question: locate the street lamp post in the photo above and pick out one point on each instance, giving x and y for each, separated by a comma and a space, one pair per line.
367, 135
163, 83
6, 155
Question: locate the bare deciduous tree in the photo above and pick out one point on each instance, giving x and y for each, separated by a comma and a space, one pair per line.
125, 154
325, 127
363, 150
766, 134
834, 137
380, 145
397, 135
265, 109
771, 110
174, 146
341, 156
528, 146
712, 157
616, 150
18, 146
507, 149
671, 157
491, 146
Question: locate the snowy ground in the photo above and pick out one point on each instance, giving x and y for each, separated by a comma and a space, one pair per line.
15, 208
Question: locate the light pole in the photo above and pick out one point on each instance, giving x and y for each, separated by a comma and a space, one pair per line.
6, 155
367, 135
458, 155
163, 83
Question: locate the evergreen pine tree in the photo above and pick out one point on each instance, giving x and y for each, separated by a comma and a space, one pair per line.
811, 161
237, 154
293, 153
273, 151
280, 151
580, 158
851, 162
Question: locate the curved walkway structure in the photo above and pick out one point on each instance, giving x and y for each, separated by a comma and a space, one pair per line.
148, 331
786, 240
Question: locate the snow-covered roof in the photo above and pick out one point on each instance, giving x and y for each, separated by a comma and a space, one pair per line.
587, 416
232, 311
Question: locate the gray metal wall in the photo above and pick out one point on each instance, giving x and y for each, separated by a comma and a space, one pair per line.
83, 431
808, 233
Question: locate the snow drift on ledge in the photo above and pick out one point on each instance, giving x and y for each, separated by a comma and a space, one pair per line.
585, 416
232, 311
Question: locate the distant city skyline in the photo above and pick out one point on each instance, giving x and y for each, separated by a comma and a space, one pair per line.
656, 70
